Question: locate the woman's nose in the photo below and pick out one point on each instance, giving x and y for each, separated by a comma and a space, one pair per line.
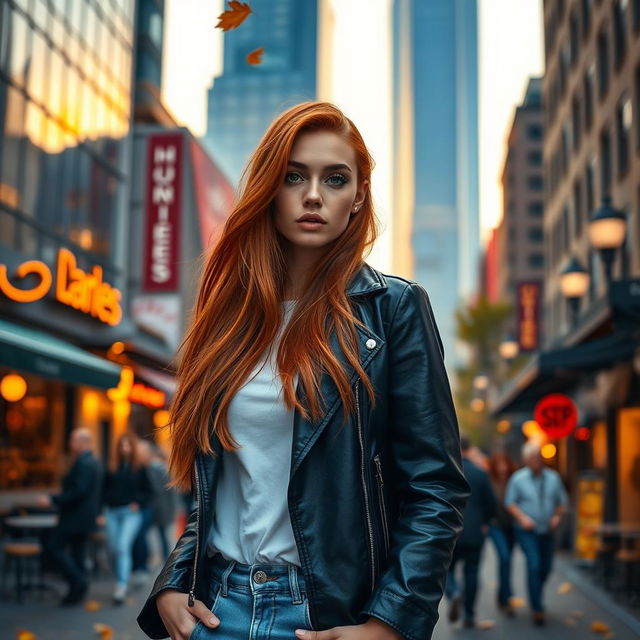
312, 196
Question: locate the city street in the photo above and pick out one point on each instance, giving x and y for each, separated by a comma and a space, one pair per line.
571, 613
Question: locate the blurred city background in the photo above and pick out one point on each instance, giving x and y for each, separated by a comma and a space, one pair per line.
506, 135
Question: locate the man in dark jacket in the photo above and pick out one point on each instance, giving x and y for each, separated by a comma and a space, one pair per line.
480, 509
78, 504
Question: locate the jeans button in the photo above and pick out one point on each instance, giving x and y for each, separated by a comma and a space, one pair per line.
260, 577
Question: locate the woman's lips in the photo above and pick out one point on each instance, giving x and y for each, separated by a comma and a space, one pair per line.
310, 225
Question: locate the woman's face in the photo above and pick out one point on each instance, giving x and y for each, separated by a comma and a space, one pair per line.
125, 447
322, 183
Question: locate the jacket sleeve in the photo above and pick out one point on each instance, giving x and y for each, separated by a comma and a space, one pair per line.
175, 574
428, 478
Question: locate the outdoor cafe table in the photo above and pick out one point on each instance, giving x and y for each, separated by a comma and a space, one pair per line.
37, 523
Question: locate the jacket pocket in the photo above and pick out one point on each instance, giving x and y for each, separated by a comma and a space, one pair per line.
383, 510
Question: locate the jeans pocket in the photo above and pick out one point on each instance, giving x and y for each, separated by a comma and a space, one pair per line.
307, 617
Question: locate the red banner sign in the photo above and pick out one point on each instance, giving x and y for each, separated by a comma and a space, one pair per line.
162, 233
557, 415
528, 302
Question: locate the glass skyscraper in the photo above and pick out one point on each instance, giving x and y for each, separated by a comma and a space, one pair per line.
245, 98
435, 97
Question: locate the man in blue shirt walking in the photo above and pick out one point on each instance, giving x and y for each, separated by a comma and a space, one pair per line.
537, 499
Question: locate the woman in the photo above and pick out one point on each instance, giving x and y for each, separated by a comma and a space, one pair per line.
501, 531
313, 416
126, 492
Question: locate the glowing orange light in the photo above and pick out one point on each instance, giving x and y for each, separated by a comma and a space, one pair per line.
548, 450
503, 426
117, 347
13, 387
161, 419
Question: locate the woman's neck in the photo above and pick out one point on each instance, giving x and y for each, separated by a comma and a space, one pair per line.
300, 263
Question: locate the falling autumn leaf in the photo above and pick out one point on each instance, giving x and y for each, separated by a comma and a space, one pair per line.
234, 16
92, 605
255, 56
104, 631
600, 627
565, 587
23, 634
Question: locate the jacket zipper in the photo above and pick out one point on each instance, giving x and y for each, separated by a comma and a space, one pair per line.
192, 596
364, 489
383, 510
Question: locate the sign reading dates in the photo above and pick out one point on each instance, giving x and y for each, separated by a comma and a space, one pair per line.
557, 415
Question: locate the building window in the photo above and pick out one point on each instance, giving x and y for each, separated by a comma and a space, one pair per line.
588, 83
573, 37
577, 208
534, 158
534, 132
605, 162
603, 63
575, 121
536, 260
619, 11
590, 184
564, 145
586, 17
564, 67
535, 235
535, 209
535, 183
623, 128
566, 230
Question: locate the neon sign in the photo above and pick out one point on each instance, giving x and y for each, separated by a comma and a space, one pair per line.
85, 292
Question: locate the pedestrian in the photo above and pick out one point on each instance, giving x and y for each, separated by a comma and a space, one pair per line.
78, 505
312, 416
164, 498
501, 531
537, 499
479, 512
126, 491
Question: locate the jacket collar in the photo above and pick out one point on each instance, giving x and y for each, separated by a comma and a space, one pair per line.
366, 280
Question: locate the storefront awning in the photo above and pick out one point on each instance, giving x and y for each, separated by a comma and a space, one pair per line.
37, 352
558, 370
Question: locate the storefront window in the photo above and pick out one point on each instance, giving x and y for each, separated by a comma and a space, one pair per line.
32, 434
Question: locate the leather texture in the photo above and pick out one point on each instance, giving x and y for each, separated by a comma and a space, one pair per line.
376, 503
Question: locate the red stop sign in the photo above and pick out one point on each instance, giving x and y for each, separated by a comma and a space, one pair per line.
556, 414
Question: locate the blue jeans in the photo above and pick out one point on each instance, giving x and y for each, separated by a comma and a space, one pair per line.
270, 610
470, 556
503, 539
538, 551
122, 528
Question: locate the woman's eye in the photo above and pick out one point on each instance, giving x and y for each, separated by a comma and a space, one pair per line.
292, 178
337, 180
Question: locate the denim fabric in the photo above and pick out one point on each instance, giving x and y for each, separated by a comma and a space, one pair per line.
248, 610
122, 527
538, 551
503, 540
470, 556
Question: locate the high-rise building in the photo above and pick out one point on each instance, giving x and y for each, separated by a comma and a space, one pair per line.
520, 237
435, 100
245, 98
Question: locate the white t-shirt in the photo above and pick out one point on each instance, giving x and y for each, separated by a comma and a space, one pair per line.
252, 523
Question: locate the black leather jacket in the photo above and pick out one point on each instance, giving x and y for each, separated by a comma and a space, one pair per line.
375, 505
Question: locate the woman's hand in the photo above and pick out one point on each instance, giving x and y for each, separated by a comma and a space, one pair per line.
372, 629
179, 618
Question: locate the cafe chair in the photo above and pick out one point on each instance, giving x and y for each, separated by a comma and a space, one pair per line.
24, 558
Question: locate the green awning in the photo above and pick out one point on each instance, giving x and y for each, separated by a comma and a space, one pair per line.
36, 352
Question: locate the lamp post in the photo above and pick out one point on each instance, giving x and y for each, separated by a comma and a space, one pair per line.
574, 282
607, 230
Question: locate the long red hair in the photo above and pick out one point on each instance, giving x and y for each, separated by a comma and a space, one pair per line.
238, 307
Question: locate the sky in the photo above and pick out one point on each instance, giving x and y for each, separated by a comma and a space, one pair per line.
510, 51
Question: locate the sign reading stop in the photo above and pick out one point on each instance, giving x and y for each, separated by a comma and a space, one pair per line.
556, 414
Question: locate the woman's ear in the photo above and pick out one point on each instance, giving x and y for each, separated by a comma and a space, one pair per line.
360, 196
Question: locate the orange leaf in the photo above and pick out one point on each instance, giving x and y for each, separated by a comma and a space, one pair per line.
23, 634
255, 56
104, 631
92, 605
600, 627
486, 624
565, 587
233, 17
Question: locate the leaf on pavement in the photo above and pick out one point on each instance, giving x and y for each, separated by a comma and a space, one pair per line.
24, 634
486, 624
234, 16
103, 630
92, 605
597, 626
516, 602
565, 587
255, 56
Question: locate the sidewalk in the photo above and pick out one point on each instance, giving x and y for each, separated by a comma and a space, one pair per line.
572, 606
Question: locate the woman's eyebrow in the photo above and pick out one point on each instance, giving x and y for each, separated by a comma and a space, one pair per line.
329, 167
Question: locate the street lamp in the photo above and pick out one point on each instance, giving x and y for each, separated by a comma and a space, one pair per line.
481, 382
509, 347
574, 282
607, 230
